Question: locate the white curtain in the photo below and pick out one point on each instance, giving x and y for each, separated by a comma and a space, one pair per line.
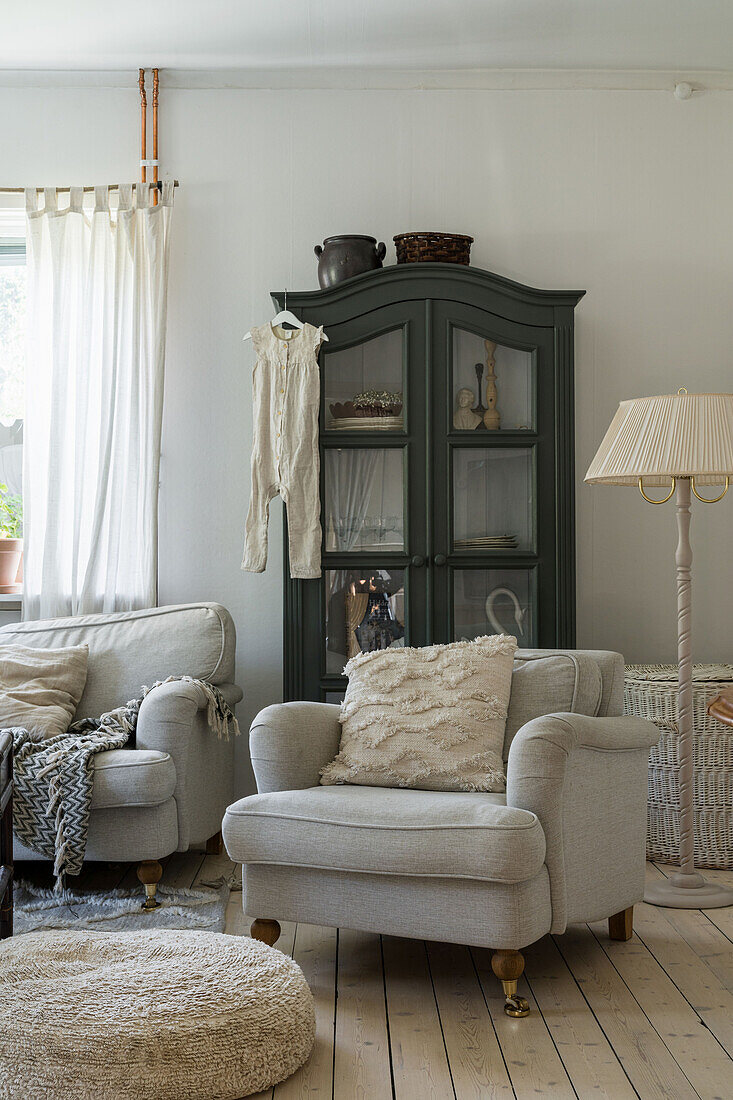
97, 296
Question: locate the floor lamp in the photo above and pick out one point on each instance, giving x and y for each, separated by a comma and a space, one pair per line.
686, 438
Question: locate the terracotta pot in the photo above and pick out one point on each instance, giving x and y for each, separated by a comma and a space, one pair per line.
10, 553
343, 257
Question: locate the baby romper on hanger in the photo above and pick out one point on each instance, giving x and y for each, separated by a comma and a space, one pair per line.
285, 459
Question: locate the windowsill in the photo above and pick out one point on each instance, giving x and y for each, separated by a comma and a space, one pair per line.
10, 601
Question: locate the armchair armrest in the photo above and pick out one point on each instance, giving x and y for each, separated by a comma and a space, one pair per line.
290, 743
173, 719
586, 780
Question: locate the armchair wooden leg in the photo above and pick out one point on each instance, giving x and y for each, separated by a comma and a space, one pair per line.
215, 844
150, 873
621, 925
509, 967
268, 931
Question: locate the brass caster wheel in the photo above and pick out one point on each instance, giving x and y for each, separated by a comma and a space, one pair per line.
149, 904
516, 1007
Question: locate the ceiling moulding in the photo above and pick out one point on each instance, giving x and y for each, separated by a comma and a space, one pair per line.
374, 78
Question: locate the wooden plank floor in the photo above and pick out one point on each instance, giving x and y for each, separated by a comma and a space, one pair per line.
400, 1019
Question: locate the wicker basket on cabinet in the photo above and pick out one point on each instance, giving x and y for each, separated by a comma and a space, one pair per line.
651, 692
446, 248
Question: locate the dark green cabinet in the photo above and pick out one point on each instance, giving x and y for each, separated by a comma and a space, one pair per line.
437, 527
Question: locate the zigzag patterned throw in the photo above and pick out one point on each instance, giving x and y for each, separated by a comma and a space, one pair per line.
54, 776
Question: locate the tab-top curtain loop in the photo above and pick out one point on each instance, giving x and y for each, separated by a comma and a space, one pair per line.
142, 195
125, 193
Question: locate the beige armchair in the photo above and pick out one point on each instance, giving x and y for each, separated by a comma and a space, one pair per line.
565, 844
168, 792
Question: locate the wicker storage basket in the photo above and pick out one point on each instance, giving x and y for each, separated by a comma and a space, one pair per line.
445, 248
651, 692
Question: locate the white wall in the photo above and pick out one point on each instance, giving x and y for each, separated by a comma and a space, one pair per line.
627, 194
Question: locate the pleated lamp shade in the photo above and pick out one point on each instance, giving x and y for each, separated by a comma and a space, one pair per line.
675, 435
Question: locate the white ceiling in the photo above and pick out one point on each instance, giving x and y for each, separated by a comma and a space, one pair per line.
666, 35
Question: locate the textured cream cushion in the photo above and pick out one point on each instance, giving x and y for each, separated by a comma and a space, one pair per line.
159, 1013
40, 688
430, 718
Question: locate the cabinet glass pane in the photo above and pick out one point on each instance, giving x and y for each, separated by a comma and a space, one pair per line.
495, 601
365, 610
363, 507
492, 385
363, 385
493, 499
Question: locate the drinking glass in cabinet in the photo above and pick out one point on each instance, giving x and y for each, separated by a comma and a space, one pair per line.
363, 507
365, 611
364, 385
493, 499
495, 601
492, 385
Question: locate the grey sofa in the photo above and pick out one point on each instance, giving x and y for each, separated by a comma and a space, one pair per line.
566, 843
170, 791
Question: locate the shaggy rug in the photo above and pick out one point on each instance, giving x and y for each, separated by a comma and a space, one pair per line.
41, 909
171, 1015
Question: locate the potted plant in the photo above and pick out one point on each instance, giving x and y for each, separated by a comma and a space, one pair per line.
11, 538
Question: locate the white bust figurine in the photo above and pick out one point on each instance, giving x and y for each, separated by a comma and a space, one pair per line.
464, 418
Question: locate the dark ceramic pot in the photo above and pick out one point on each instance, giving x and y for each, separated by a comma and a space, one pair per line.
342, 257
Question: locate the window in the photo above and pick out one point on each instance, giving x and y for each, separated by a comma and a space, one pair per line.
12, 366
12, 347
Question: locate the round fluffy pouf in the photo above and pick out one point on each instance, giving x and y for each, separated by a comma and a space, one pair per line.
170, 1015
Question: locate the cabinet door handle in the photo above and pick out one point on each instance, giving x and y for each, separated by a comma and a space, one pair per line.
440, 559
417, 560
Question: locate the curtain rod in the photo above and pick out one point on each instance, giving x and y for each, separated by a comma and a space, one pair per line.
59, 190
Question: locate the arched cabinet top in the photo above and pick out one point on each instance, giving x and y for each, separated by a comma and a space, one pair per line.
445, 282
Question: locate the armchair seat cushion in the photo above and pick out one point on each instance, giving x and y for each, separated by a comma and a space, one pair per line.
132, 777
377, 830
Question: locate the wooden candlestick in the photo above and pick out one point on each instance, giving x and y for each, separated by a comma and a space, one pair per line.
492, 420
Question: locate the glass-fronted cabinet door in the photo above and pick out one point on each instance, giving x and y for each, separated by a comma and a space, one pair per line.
372, 594
495, 528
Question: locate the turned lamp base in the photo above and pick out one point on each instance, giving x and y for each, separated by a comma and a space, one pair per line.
688, 891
